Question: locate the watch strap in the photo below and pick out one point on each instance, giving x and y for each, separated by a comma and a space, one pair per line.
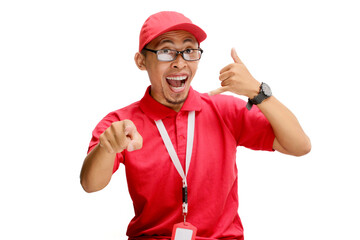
249, 104
258, 98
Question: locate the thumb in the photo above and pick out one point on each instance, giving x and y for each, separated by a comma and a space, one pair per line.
135, 144
234, 56
136, 140
217, 91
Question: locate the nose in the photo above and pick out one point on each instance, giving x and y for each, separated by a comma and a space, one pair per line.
179, 62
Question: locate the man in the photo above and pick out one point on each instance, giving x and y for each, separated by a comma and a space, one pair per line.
157, 137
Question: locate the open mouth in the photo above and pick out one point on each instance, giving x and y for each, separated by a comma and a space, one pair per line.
177, 83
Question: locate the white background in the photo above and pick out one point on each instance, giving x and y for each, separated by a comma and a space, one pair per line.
65, 64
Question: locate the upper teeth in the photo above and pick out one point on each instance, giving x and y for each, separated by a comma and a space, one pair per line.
178, 78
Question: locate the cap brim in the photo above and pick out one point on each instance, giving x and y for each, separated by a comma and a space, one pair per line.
198, 33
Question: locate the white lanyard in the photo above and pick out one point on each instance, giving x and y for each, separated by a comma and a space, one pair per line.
174, 157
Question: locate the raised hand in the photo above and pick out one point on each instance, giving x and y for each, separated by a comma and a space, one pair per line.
237, 79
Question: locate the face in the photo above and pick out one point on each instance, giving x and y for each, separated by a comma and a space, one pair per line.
170, 81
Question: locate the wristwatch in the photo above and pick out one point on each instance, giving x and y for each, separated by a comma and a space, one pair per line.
265, 92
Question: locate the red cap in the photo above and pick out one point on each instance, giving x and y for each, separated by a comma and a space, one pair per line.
162, 22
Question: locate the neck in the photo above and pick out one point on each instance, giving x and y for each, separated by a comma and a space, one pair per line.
177, 107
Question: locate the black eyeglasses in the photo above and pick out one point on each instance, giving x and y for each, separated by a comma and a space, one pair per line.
168, 55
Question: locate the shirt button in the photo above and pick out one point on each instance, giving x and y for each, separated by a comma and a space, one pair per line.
182, 137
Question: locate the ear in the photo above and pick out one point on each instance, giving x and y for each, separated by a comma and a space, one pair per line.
140, 61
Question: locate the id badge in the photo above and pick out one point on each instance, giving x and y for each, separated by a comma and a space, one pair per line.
183, 231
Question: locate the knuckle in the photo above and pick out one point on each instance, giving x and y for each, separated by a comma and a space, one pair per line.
129, 123
107, 133
224, 83
103, 136
114, 126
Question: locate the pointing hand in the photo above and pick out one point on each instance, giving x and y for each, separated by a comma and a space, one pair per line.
121, 135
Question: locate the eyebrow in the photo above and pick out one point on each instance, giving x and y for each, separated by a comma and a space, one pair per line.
171, 42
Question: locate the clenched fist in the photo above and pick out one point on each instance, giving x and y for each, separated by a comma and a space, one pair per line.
120, 136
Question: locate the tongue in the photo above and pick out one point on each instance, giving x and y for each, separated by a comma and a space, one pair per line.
175, 83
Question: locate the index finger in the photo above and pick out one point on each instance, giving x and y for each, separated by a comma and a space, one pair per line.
133, 135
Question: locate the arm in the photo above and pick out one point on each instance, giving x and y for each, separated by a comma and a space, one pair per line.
289, 136
97, 169
98, 165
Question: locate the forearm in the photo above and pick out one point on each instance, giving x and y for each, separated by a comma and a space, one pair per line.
289, 135
97, 169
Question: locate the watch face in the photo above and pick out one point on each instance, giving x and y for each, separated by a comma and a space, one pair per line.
266, 89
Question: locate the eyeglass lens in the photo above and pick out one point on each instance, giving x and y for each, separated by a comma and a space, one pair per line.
170, 55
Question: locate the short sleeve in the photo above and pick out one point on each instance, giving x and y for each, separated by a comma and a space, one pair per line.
250, 128
255, 130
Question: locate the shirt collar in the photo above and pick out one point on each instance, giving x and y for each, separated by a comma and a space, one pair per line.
155, 110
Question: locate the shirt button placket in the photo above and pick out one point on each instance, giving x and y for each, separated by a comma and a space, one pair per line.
181, 135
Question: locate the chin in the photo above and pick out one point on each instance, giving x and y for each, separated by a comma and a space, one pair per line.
179, 99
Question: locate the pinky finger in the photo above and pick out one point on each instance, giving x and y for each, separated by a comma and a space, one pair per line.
218, 91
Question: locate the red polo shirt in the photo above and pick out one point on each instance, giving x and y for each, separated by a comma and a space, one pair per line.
222, 123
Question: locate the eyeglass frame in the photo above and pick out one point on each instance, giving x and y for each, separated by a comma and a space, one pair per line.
177, 53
